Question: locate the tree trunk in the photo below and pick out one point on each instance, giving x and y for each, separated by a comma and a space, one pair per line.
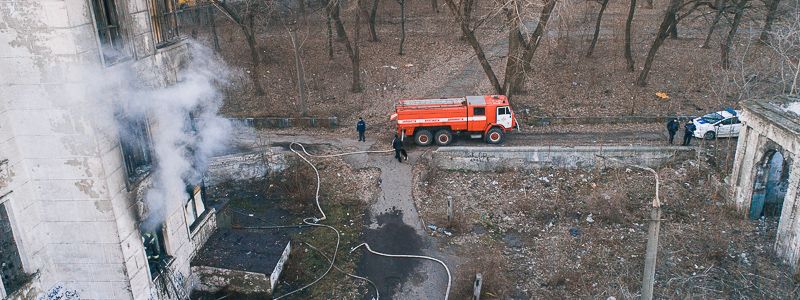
673, 27
356, 58
533, 44
597, 28
726, 47
301, 74
435, 6
476, 46
212, 19
330, 38
301, 7
717, 17
772, 9
660, 37
466, 7
254, 73
336, 14
628, 23
372, 16
402, 24
516, 45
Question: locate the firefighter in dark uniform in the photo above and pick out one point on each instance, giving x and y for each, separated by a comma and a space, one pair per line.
399, 153
361, 127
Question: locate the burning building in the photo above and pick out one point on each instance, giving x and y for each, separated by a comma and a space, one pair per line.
78, 162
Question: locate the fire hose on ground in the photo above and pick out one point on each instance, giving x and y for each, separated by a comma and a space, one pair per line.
314, 221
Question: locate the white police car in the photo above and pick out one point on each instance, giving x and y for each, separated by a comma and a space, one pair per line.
718, 124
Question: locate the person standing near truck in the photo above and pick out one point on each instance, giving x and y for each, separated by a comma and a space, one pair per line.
399, 153
672, 128
361, 127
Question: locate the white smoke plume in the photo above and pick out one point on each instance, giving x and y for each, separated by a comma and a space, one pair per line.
186, 127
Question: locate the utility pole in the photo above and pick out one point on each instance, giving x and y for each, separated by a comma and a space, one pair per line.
649, 277
651, 253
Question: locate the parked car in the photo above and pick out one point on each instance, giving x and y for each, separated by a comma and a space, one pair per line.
723, 123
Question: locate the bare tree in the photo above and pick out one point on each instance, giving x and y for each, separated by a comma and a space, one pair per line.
772, 9
603, 5
670, 21
402, 24
662, 33
246, 25
352, 48
469, 34
725, 48
521, 46
628, 52
297, 46
786, 43
373, 14
720, 5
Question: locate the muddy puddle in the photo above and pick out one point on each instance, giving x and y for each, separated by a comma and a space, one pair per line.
392, 236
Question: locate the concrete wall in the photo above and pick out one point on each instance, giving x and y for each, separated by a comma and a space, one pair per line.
504, 158
74, 218
766, 128
243, 166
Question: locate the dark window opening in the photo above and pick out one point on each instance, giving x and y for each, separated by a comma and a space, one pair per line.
11, 271
479, 111
195, 206
136, 147
108, 29
156, 252
770, 186
163, 15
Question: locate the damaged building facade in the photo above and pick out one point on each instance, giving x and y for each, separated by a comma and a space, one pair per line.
766, 174
73, 170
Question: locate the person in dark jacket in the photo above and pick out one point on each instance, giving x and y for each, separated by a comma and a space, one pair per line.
361, 126
399, 153
688, 133
672, 128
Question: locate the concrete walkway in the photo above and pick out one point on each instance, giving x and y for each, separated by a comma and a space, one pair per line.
428, 280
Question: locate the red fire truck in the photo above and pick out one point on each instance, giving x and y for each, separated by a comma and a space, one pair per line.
437, 120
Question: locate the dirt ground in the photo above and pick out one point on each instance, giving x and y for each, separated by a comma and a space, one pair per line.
437, 63
582, 234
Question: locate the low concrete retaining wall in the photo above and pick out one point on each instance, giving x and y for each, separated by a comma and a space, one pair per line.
210, 279
544, 121
584, 157
276, 122
243, 166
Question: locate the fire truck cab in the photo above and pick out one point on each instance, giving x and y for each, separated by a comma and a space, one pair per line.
431, 121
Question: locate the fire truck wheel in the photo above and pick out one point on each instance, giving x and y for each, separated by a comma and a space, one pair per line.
423, 137
494, 136
443, 137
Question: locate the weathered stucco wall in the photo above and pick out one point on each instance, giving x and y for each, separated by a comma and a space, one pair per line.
766, 128
505, 158
74, 219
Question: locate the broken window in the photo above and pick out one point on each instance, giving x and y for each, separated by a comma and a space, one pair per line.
11, 271
195, 207
155, 250
163, 16
109, 31
136, 146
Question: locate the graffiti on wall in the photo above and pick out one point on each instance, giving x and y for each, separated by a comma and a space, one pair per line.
59, 292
